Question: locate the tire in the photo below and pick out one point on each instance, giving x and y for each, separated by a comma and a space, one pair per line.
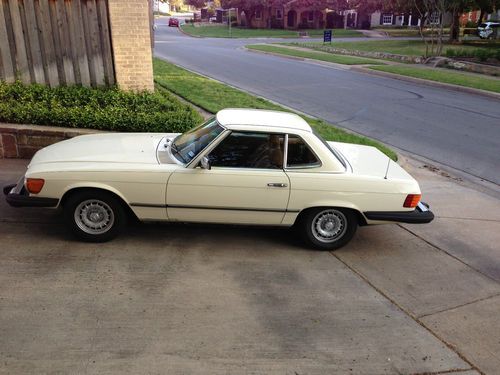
328, 228
94, 215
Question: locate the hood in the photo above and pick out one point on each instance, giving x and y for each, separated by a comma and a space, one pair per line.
369, 161
106, 148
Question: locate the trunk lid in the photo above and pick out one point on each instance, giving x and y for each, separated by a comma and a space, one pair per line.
369, 161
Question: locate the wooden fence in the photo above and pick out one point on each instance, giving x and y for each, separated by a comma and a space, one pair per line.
56, 42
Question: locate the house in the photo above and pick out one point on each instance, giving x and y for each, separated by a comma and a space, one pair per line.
289, 16
161, 7
473, 16
379, 18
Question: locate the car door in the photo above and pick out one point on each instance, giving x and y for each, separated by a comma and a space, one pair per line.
246, 183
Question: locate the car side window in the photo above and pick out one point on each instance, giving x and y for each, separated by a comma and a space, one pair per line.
299, 154
249, 150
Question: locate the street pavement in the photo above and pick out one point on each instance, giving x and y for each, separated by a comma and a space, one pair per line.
174, 298
453, 129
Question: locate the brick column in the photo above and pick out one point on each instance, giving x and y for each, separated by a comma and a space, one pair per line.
131, 38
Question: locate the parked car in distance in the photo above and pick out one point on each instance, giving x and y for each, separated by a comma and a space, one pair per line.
240, 167
488, 30
173, 22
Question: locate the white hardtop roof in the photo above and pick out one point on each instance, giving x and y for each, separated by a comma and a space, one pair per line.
260, 117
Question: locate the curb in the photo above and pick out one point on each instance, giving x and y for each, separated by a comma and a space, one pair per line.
313, 61
361, 69
187, 34
421, 81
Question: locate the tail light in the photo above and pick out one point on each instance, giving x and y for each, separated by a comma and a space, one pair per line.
412, 200
34, 185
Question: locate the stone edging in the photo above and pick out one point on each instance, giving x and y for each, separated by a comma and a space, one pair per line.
373, 55
22, 141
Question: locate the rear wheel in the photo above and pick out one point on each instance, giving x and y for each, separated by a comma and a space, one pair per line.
94, 216
328, 228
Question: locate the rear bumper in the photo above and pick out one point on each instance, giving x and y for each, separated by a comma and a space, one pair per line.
17, 196
421, 215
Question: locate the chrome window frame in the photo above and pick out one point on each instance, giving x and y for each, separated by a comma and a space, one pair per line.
227, 133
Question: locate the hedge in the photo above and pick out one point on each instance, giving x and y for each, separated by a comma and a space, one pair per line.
102, 108
482, 54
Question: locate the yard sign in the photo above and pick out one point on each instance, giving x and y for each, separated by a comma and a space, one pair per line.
327, 36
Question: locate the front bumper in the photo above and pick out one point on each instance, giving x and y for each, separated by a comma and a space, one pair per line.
421, 215
17, 196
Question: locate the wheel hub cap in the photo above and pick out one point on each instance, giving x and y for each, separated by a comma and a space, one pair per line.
329, 225
94, 216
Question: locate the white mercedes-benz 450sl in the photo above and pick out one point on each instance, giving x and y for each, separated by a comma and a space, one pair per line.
240, 167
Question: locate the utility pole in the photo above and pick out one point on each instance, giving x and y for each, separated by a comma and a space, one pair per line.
229, 21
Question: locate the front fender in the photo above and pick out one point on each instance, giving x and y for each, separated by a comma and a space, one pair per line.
92, 185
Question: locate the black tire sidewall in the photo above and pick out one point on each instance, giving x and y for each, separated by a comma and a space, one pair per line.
120, 217
306, 229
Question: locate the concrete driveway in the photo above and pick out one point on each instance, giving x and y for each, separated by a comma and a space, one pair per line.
212, 300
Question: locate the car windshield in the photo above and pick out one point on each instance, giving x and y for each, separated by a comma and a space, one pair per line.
186, 146
483, 25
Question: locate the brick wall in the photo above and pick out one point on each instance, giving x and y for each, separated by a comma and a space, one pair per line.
22, 141
131, 39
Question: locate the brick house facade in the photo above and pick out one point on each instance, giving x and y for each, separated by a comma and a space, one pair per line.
289, 16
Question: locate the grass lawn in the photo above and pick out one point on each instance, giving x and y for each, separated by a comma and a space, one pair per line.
489, 84
222, 31
329, 57
214, 96
399, 47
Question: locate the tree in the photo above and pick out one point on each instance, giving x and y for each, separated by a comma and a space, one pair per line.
176, 4
196, 3
485, 7
457, 8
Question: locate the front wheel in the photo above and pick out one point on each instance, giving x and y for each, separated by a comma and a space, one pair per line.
94, 216
328, 228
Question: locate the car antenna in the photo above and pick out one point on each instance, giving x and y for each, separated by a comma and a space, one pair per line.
387, 170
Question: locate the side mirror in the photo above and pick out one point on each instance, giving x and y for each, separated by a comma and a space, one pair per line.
205, 163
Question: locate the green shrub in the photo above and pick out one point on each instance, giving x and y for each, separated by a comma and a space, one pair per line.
481, 54
103, 108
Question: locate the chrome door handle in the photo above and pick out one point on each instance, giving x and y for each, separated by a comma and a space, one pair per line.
276, 184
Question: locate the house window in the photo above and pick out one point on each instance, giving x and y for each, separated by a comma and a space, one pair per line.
258, 14
435, 18
310, 16
387, 19
279, 14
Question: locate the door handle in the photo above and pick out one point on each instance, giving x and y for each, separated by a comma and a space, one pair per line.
277, 184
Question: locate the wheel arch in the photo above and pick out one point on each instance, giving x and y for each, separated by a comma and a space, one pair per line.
360, 217
103, 188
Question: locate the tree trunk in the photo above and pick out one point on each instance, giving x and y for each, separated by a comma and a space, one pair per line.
455, 26
481, 16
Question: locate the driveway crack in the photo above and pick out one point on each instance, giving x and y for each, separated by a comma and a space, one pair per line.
448, 253
412, 316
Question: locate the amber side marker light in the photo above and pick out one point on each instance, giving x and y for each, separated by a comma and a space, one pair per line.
412, 200
34, 185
